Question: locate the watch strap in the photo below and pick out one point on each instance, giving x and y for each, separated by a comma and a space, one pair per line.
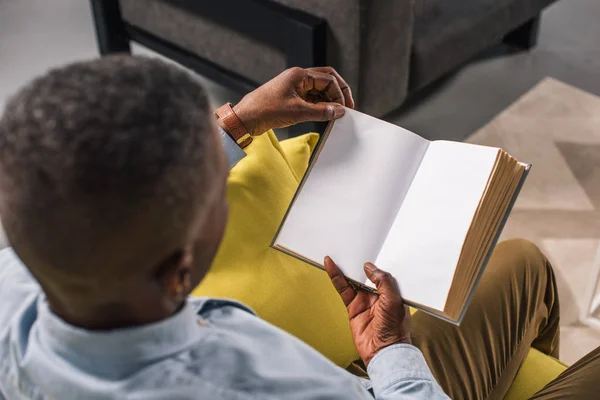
233, 126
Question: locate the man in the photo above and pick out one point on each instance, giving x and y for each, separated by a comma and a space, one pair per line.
112, 182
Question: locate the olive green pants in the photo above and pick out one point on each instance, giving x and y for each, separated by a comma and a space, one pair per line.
515, 307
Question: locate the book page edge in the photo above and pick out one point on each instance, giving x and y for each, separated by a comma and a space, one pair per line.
495, 241
499, 153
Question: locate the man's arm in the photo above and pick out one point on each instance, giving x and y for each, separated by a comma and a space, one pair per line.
16, 285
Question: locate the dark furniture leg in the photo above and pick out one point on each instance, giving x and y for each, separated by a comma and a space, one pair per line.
110, 29
525, 36
308, 52
301, 36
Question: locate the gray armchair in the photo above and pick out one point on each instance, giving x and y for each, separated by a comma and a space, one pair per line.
385, 49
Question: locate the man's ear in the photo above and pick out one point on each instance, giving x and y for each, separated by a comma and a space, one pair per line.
175, 274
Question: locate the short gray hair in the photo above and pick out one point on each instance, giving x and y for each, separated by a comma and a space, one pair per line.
94, 142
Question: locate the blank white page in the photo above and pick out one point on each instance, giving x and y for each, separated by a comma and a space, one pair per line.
353, 193
424, 244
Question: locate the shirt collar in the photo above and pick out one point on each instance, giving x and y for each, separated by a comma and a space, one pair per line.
137, 344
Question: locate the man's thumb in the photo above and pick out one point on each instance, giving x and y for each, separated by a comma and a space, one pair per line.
384, 281
323, 111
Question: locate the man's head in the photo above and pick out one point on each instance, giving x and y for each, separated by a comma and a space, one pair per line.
112, 188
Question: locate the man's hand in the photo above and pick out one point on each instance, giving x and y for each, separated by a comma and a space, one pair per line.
296, 95
376, 321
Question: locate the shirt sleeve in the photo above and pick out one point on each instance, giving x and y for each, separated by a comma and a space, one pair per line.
16, 285
400, 371
233, 151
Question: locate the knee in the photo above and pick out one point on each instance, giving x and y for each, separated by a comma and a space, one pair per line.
523, 255
521, 247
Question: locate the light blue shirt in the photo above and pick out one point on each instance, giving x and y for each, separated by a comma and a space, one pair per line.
232, 150
211, 349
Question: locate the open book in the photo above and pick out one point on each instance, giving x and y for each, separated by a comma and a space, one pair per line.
429, 213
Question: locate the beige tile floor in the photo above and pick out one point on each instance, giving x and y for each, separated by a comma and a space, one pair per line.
556, 127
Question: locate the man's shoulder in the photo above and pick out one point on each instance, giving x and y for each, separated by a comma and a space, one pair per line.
243, 356
224, 359
211, 306
236, 321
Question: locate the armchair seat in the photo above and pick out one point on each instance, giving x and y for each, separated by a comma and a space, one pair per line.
447, 33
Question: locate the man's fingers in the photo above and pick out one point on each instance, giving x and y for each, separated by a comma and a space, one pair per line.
326, 84
384, 282
349, 100
347, 292
320, 111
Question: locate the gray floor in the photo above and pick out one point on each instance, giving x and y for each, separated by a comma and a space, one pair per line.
568, 50
38, 34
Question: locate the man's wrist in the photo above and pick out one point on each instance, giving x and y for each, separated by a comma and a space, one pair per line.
250, 118
395, 367
404, 341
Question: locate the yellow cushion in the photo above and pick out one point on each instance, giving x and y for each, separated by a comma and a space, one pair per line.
537, 371
290, 294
